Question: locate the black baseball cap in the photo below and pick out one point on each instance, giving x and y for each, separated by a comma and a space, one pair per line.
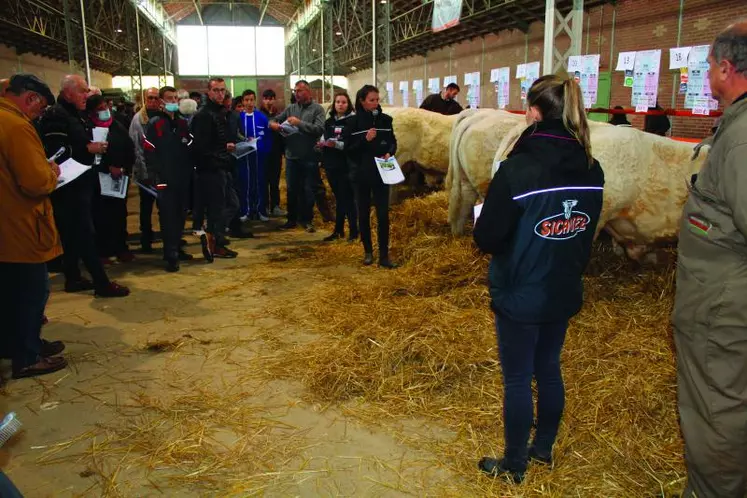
28, 82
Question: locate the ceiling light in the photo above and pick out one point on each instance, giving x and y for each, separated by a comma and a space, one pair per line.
118, 30
353, 68
339, 33
383, 1
146, 49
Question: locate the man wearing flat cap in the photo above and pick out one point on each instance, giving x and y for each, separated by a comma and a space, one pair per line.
28, 236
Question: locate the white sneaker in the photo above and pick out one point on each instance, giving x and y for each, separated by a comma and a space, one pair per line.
276, 211
243, 218
263, 217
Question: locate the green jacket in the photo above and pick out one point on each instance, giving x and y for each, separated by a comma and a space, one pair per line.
712, 261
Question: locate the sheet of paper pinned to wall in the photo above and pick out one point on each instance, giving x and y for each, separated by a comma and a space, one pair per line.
70, 170
404, 89
500, 78
678, 57
449, 79
521, 71
113, 187
389, 170
646, 77
625, 61
472, 82
390, 92
590, 79
434, 85
417, 88
531, 74
698, 86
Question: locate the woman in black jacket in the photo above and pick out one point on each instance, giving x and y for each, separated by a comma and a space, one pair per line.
538, 223
335, 162
110, 213
371, 136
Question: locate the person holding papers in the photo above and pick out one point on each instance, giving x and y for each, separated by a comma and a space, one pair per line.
28, 236
371, 137
110, 213
538, 223
301, 124
167, 146
335, 162
64, 125
254, 127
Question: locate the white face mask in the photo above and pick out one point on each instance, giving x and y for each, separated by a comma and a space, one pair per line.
104, 115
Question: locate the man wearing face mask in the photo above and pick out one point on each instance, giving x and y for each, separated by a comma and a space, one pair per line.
443, 103
64, 125
167, 145
27, 229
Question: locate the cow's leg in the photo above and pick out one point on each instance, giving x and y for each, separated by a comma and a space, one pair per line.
466, 206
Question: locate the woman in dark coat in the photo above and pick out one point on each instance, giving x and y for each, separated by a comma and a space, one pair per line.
371, 136
335, 162
110, 213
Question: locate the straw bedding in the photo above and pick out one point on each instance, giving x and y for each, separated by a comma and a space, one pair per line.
420, 342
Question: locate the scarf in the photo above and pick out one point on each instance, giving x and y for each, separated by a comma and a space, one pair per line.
102, 124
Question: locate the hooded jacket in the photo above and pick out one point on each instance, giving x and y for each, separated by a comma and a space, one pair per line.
211, 134
361, 151
337, 129
167, 146
27, 229
538, 222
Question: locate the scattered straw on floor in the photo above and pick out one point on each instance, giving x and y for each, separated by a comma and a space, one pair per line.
420, 342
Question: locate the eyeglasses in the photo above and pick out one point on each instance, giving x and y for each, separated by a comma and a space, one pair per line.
218, 90
152, 98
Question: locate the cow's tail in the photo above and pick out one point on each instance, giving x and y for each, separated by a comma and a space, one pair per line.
455, 176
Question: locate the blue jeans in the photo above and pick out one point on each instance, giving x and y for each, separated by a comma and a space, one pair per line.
530, 350
7, 488
300, 178
24, 290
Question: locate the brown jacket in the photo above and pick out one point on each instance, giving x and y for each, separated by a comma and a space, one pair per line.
27, 230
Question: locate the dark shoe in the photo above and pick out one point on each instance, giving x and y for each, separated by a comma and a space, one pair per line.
172, 265
309, 227
538, 457
288, 225
497, 468
385, 263
224, 253
125, 257
81, 285
368, 258
182, 243
51, 348
184, 256
41, 367
353, 237
241, 234
112, 290
146, 247
208, 245
333, 237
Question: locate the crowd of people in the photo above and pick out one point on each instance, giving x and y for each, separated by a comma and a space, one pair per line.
215, 157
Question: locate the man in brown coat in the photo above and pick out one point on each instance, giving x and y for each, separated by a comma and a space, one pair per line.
710, 308
28, 236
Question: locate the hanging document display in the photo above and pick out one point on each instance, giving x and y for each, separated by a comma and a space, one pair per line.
434, 85
585, 70
499, 77
528, 74
472, 82
417, 88
646, 78
390, 92
404, 89
698, 94
446, 14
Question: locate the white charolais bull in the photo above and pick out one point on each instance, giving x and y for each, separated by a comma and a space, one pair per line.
646, 183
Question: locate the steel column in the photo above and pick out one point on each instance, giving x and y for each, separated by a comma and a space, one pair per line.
69, 36
85, 41
547, 58
374, 68
330, 50
321, 24
139, 54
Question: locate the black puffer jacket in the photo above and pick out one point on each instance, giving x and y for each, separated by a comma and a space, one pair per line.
337, 129
361, 151
62, 125
210, 130
121, 150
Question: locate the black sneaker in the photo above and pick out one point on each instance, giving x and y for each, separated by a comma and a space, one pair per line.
539, 457
206, 241
368, 258
386, 263
51, 348
185, 256
81, 285
353, 237
497, 468
146, 247
172, 265
290, 225
333, 237
224, 253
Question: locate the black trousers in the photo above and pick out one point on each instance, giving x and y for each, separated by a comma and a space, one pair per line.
368, 189
342, 187
172, 214
300, 177
24, 289
218, 196
146, 215
73, 216
110, 223
273, 166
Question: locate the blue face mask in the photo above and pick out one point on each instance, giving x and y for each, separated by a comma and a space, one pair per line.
104, 115
171, 107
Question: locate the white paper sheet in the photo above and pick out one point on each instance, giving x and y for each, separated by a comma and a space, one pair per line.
502, 81
625, 61
152, 191
390, 92
417, 88
496, 167
245, 148
434, 85
391, 173
99, 135
477, 210
678, 57
521, 71
287, 129
113, 187
646, 78
404, 89
69, 171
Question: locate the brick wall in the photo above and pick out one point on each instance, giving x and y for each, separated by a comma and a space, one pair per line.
639, 25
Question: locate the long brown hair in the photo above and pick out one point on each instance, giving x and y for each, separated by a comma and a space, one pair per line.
561, 98
348, 110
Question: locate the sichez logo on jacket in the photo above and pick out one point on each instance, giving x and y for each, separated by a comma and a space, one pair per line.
565, 225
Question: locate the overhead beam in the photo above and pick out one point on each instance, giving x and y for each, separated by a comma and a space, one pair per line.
198, 9
262, 10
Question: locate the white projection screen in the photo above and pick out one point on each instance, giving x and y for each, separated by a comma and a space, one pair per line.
231, 50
